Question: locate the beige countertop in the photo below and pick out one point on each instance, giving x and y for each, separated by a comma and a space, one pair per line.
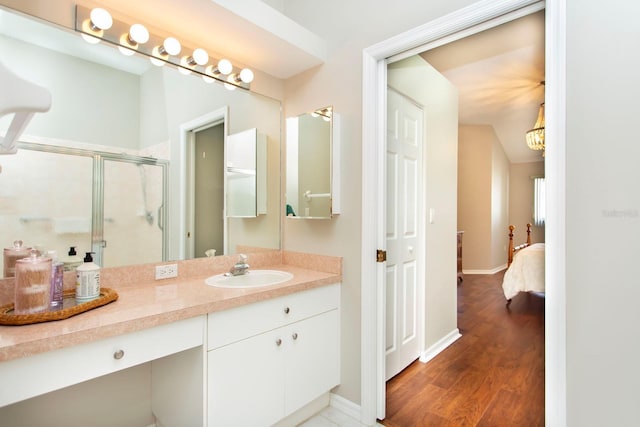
152, 303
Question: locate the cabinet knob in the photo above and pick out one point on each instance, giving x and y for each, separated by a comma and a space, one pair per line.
278, 342
286, 310
118, 354
294, 335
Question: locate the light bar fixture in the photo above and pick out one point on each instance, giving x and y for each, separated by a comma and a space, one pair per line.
97, 25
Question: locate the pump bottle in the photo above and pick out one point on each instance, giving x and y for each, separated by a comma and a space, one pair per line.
87, 280
72, 261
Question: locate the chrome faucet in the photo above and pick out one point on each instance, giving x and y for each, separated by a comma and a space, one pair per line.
240, 267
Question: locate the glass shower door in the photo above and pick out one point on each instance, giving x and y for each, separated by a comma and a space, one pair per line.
133, 219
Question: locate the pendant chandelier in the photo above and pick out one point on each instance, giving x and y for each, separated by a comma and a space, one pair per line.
535, 136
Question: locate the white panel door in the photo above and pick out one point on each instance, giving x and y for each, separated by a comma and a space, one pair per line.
404, 192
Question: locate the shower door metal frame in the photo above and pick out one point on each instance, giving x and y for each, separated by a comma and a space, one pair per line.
97, 189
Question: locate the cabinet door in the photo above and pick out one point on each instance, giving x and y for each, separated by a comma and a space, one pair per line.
245, 382
312, 364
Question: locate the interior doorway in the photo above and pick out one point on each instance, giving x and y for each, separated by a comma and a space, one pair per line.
203, 220
457, 25
209, 195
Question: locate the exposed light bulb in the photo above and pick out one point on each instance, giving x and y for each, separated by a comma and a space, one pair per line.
100, 18
185, 66
138, 33
200, 56
231, 79
156, 61
160, 54
125, 51
246, 75
210, 72
225, 66
171, 46
93, 28
90, 39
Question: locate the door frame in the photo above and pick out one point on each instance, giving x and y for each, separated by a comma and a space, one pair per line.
464, 22
185, 164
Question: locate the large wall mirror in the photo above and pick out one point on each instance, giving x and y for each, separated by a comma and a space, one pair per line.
116, 155
311, 158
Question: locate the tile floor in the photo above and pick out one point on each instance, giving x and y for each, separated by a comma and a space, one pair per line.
331, 417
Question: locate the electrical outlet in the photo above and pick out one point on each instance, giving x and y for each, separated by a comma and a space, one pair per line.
166, 271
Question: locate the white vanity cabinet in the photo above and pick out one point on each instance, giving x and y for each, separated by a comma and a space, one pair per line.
46, 372
269, 359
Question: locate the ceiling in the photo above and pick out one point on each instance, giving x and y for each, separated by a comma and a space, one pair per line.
499, 74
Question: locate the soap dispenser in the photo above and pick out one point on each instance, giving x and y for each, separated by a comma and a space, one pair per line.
87, 280
73, 260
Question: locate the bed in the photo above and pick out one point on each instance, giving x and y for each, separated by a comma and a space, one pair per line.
525, 267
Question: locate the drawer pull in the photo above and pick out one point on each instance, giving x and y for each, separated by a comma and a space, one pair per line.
118, 354
278, 342
286, 310
294, 336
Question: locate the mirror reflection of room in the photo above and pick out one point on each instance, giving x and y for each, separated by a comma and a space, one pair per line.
113, 136
309, 164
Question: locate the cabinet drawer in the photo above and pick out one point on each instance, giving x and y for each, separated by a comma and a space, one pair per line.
45, 372
225, 327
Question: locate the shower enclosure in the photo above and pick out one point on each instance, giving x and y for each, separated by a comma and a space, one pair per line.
112, 204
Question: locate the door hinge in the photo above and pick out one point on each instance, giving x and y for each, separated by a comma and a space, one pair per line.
381, 255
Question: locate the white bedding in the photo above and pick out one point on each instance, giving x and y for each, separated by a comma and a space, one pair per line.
526, 272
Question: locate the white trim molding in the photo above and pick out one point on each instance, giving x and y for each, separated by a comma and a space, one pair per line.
440, 345
345, 406
491, 271
555, 222
474, 18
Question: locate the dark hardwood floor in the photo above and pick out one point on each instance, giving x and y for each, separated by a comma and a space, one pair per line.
492, 376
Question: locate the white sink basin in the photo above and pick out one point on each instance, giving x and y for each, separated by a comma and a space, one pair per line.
252, 279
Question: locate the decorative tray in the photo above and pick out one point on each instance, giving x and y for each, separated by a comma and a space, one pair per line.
69, 308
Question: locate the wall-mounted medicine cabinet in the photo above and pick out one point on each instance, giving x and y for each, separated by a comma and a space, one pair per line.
313, 165
246, 174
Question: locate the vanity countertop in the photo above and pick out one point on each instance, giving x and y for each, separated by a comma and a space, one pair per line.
150, 304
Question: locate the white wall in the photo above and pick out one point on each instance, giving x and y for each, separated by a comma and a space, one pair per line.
81, 110
603, 213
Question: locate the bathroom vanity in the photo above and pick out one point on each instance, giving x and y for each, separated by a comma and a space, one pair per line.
218, 356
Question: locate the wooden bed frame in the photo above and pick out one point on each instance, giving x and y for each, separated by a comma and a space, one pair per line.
514, 249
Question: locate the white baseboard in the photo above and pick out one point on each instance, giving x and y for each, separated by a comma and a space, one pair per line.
492, 271
305, 413
443, 343
345, 406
